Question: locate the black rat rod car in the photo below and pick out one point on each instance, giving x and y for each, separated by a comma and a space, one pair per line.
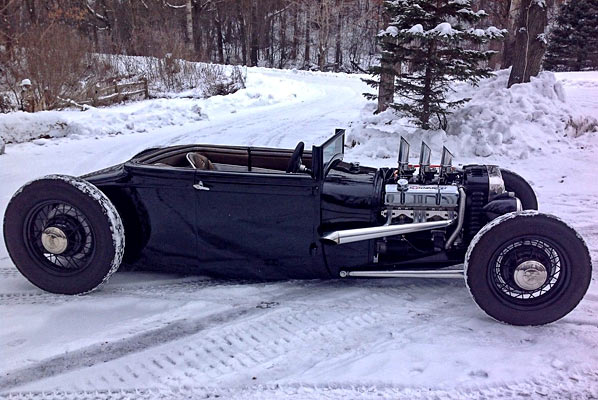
250, 212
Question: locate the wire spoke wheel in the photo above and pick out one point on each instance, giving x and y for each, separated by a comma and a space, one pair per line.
63, 234
527, 268
60, 236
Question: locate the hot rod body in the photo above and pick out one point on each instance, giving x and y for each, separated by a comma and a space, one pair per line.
264, 213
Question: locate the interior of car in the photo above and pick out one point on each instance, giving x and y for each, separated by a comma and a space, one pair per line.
251, 159
228, 159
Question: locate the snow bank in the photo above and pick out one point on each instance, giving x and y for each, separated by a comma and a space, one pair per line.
21, 127
527, 118
149, 115
522, 119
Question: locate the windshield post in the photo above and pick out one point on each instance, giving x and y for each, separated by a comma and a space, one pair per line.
324, 156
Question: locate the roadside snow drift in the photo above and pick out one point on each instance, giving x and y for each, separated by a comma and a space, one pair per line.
527, 118
147, 115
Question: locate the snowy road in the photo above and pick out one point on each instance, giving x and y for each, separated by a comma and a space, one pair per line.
163, 336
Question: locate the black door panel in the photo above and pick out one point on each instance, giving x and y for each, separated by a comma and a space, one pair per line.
259, 225
169, 199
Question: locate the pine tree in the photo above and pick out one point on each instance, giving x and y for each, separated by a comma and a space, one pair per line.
573, 44
436, 40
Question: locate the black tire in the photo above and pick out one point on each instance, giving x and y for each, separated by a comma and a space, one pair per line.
93, 234
498, 252
522, 189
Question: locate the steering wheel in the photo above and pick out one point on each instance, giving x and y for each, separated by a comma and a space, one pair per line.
295, 161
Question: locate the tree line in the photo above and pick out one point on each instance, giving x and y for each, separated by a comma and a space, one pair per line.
323, 34
55, 37
338, 35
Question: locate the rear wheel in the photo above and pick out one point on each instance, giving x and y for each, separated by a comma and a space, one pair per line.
527, 268
63, 234
522, 189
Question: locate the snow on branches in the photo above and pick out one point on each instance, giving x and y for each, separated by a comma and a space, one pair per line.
428, 44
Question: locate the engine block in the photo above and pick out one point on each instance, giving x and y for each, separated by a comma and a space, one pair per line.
420, 203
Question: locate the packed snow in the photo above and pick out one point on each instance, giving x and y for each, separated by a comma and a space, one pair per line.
527, 119
149, 335
145, 116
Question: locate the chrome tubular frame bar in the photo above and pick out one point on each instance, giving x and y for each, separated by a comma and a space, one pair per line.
439, 274
356, 235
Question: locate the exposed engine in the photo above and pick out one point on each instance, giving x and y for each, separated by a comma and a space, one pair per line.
423, 213
467, 197
407, 203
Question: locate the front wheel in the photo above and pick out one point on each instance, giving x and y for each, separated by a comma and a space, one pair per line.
63, 234
527, 268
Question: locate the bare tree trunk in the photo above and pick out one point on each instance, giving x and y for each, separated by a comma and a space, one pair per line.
189, 25
323, 33
33, 16
283, 40
338, 54
295, 44
529, 45
243, 33
270, 39
219, 40
255, 44
306, 55
509, 42
386, 88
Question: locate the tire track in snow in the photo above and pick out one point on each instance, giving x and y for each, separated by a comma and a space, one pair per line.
233, 348
8, 272
239, 350
170, 331
154, 290
580, 384
256, 341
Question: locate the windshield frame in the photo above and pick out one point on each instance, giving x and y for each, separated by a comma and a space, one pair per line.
321, 168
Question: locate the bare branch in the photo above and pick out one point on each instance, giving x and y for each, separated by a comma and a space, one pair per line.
7, 5
274, 14
166, 3
93, 12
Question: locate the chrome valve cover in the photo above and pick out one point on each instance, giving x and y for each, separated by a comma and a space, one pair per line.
422, 203
427, 196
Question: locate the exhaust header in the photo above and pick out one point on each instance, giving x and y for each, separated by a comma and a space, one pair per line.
356, 235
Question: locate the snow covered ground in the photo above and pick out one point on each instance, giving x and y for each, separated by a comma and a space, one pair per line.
164, 336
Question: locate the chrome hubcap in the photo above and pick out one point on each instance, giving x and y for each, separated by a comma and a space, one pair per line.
530, 275
54, 240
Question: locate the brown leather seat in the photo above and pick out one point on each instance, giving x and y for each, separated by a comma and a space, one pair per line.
199, 161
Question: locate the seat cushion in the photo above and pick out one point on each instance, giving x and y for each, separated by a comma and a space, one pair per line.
199, 161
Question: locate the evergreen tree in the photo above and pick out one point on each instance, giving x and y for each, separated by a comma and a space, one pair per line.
436, 40
573, 44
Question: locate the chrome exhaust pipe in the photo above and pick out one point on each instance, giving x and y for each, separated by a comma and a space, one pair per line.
356, 235
439, 274
461, 218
